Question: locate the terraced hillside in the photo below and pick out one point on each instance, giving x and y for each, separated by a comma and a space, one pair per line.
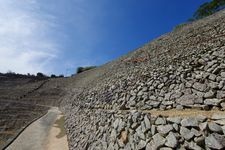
168, 94
23, 100
183, 72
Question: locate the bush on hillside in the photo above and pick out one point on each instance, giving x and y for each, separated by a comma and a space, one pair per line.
208, 8
82, 69
61, 76
41, 75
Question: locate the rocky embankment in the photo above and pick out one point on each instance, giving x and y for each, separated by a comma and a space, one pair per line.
183, 70
168, 94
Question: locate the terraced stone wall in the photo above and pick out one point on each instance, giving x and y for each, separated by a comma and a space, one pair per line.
182, 70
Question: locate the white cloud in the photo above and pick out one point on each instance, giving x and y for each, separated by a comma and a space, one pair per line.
25, 41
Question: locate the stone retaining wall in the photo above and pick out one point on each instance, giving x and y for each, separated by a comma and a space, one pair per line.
184, 69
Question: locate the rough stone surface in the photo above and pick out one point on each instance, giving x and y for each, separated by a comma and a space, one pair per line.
215, 142
158, 140
171, 140
189, 122
164, 129
186, 133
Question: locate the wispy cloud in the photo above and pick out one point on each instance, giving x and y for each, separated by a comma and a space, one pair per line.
25, 41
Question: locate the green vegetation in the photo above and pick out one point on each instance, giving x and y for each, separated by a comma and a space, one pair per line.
82, 69
204, 10
208, 8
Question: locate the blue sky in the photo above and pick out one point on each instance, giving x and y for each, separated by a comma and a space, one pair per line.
57, 36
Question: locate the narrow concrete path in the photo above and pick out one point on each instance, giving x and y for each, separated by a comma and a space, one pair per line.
47, 133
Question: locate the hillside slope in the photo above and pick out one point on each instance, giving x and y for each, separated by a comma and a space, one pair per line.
148, 99
108, 107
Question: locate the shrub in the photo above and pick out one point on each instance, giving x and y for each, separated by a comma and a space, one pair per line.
61, 76
82, 69
208, 8
40, 75
53, 76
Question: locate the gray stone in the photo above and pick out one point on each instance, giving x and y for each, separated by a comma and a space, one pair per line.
151, 146
120, 143
203, 126
111, 146
202, 62
167, 96
176, 120
209, 94
116, 123
213, 102
132, 98
213, 85
141, 144
212, 77
176, 127
176, 95
165, 148
134, 125
201, 118
199, 86
152, 97
188, 84
121, 125
113, 135
155, 104
200, 140
147, 122
189, 122
220, 122
222, 74
217, 116
160, 121
164, 129
140, 93
196, 132
166, 103
186, 133
215, 127
128, 147
220, 94
186, 100
194, 146
179, 107
143, 128
153, 129
131, 103
135, 115
158, 140
162, 107
222, 105
140, 133
198, 76
223, 127
215, 141
221, 84
171, 140
160, 85
198, 94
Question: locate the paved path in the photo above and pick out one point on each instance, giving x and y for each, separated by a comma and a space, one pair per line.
47, 133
